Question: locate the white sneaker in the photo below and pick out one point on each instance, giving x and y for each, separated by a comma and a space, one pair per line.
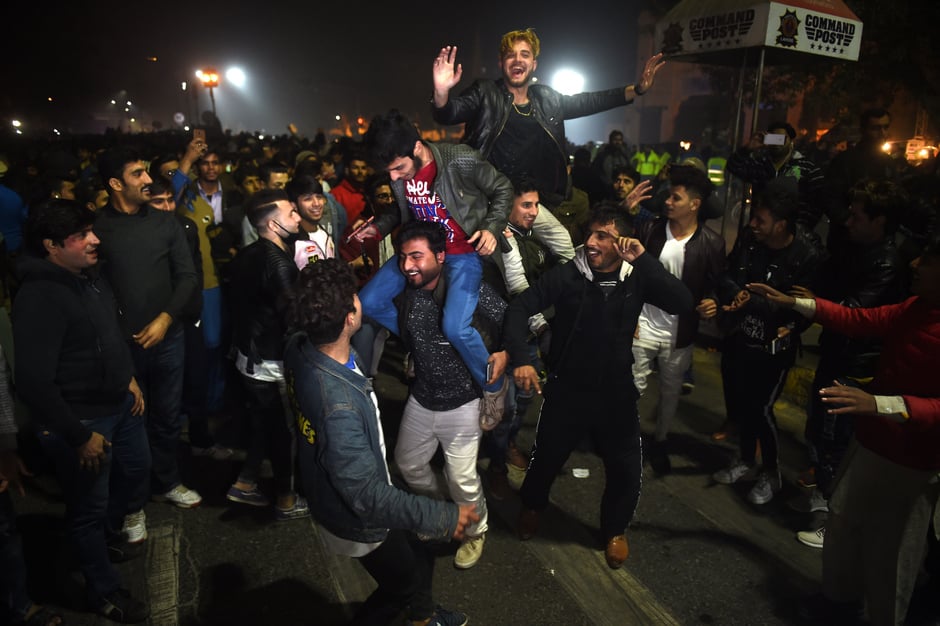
135, 527
181, 496
493, 406
812, 538
768, 483
739, 470
469, 552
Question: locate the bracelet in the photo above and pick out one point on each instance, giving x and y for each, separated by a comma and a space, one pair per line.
636, 90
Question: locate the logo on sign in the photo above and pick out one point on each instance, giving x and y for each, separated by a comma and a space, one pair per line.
672, 39
789, 28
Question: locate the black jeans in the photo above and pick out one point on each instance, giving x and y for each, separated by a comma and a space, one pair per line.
403, 567
270, 434
14, 599
610, 417
752, 380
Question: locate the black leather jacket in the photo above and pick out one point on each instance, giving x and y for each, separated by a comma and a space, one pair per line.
261, 275
756, 324
862, 276
704, 263
485, 105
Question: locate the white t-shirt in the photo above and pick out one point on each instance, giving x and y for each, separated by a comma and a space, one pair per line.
655, 324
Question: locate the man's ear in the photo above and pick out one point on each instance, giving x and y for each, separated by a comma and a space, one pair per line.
116, 184
49, 245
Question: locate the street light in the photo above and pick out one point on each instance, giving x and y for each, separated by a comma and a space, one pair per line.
568, 82
210, 80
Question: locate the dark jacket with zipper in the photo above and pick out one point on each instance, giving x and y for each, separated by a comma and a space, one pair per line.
592, 332
72, 362
485, 106
704, 262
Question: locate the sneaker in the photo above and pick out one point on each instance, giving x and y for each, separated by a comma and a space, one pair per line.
768, 483
515, 476
469, 552
739, 470
135, 527
814, 502
300, 509
687, 388
812, 538
493, 406
182, 496
443, 617
119, 606
214, 452
251, 496
807, 478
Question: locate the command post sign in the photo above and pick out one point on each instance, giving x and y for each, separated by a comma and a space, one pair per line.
823, 27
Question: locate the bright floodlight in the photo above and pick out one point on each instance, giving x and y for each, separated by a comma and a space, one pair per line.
236, 76
568, 82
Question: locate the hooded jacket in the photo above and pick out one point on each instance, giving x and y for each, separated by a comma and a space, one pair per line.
592, 332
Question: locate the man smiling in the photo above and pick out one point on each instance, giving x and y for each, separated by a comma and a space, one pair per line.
517, 125
597, 299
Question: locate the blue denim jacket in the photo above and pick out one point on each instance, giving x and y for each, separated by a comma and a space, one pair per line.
341, 461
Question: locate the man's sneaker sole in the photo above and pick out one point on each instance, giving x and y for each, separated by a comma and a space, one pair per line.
812, 538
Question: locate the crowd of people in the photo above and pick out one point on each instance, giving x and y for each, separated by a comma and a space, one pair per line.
154, 287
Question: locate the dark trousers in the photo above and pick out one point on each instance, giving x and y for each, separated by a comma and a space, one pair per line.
610, 417
14, 599
403, 567
270, 434
96, 502
195, 386
753, 380
159, 372
828, 435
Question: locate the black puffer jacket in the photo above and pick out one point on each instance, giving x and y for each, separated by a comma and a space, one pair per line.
71, 359
485, 105
261, 275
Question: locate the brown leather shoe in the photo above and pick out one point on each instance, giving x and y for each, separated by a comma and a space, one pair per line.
528, 524
617, 551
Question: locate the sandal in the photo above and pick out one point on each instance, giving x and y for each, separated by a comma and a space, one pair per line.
43, 617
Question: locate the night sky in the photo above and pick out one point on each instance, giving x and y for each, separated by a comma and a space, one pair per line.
305, 61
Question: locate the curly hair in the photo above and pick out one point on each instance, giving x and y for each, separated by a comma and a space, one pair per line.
320, 300
528, 35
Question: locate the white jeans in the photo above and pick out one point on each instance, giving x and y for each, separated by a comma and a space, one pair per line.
458, 433
673, 363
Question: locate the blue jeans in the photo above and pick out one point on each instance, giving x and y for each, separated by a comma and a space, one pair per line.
14, 599
96, 502
463, 273
160, 376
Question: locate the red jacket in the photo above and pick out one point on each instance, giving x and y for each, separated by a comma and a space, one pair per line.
353, 200
909, 366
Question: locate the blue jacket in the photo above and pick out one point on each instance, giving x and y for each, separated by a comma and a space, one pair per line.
344, 472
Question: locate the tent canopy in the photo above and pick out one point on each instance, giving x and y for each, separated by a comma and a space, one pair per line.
715, 31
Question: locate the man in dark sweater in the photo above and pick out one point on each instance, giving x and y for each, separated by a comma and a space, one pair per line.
75, 374
148, 262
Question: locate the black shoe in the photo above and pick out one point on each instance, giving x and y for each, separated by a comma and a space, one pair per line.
659, 458
121, 607
120, 551
818, 609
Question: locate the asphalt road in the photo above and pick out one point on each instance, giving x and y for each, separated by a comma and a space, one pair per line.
699, 552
